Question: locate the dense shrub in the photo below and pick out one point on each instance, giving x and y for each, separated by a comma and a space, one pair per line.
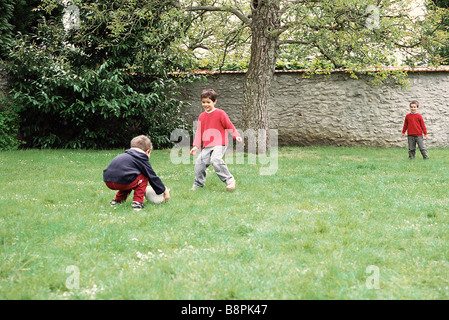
444, 50
104, 107
6, 13
99, 85
9, 130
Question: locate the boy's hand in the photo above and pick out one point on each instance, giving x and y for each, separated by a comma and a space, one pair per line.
193, 151
239, 139
166, 195
426, 136
402, 135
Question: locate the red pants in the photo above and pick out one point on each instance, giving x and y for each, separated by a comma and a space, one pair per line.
125, 189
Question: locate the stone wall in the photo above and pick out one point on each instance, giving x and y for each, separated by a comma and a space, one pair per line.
336, 109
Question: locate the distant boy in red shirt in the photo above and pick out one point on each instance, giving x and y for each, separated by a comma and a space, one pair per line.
415, 127
212, 133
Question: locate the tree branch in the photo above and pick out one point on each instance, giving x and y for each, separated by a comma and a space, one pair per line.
328, 57
284, 42
236, 12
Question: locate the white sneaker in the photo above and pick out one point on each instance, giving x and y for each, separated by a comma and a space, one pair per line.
194, 187
231, 185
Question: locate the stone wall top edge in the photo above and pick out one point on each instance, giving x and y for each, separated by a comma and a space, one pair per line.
407, 69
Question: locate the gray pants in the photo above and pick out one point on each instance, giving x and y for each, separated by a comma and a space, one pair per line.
214, 156
412, 141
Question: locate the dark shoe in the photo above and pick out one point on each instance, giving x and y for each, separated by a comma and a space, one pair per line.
137, 205
113, 203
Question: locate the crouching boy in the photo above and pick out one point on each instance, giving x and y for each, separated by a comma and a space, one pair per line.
132, 170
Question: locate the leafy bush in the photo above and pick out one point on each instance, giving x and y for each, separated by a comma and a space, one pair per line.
6, 12
9, 129
100, 85
88, 108
444, 50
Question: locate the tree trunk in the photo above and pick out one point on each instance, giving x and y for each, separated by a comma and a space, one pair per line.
257, 86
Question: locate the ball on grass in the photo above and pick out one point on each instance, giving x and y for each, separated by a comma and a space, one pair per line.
151, 195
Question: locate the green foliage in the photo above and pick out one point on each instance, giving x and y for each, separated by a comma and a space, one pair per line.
444, 51
6, 12
218, 41
101, 84
9, 129
350, 34
357, 34
19, 16
26, 16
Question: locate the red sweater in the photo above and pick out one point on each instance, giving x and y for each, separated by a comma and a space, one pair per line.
414, 125
211, 129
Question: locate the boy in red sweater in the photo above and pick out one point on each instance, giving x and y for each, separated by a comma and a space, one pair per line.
415, 127
211, 131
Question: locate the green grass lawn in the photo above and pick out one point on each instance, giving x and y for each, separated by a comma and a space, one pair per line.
331, 223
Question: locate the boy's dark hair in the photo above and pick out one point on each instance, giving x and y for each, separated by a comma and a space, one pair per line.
209, 93
142, 142
415, 102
